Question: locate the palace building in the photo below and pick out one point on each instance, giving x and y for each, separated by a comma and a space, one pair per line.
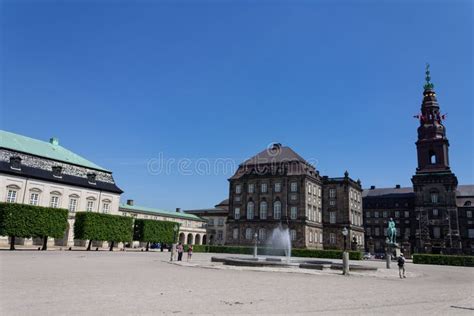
278, 187
47, 174
435, 215
216, 219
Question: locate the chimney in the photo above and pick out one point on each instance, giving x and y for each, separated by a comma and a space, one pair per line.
130, 202
372, 187
178, 210
54, 141
397, 186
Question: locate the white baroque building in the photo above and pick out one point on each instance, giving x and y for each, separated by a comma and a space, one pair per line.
46, 174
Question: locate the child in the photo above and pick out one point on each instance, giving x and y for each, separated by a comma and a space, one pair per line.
190, 252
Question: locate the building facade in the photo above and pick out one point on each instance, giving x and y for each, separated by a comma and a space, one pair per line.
216, 219
435, 215
277, 187
192, 229
46, 174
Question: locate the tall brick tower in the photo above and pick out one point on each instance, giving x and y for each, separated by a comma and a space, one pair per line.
434, 184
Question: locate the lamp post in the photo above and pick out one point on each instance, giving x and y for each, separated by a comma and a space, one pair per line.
345, 254
173, 244
388, 253
255, 236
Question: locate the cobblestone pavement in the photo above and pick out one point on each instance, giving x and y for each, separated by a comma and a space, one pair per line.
139, 283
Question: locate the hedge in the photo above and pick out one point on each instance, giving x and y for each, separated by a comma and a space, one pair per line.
311, 253
447, 260
103, 227
23, 220
148, 231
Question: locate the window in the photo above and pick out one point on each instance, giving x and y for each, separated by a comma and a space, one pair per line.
407, 214
385, 214
467, 203
237, 198
220, 222
332, 202
377, 231
57, 171
293, 197
332, 238
210, 222
278, 187
332, 217
470, 232
321, 238
91, 178
368, 231
237, 213
262, 236
469, 214
407, 232
90, 206
15, 163
435, 212
72, 204
54, 203
319, 191
367, 214
248, 233
34, 198
309, 188
251, 188
250, 210
263, 188
235, 233
293, 234
332, 193
434, 197
385, 231
320, 215
11, 196
397, 214
220, 235
311, 237
293, 212
294, 187
238, 189
124, 214
263, 210
105, 208
436, 232
277, 210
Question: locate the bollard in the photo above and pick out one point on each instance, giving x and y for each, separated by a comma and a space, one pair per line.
345, 263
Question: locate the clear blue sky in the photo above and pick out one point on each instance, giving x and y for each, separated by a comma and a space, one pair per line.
339, 82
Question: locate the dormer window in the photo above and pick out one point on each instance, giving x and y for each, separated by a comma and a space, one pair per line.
15, 163
57, 171
91, 178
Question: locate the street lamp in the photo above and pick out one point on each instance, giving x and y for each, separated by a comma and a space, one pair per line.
175, 230
345, 254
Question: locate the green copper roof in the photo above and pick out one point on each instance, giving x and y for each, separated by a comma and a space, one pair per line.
50, 150
158, 212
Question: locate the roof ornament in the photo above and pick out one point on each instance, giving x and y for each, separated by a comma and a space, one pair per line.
428, 85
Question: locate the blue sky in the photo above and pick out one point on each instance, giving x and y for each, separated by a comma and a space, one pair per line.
125, 83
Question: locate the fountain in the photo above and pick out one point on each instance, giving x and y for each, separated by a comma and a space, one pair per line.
280, 239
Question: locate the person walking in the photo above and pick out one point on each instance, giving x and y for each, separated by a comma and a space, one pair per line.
190, 252
180, 251
401, 266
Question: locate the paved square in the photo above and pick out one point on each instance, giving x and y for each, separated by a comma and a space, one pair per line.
124, 283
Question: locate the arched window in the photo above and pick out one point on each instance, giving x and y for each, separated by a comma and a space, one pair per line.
263, 210
277, 210
248, 233
467, 203
434, 197
432, 158
250, 210
262, 234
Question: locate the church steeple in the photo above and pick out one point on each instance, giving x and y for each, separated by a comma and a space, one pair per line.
432, 145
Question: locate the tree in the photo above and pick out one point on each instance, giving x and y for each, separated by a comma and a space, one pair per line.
23, 220
103, 227
151, 231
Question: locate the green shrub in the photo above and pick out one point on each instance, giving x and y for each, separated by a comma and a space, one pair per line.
148, 230
103, 227
23, 220
448, 260
309, 253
